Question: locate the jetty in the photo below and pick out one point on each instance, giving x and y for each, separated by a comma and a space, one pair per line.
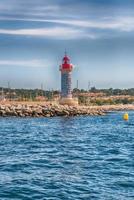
38, 109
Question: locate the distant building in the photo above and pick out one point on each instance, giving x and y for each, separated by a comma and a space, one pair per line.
91, 94
41, 98
11, 96
2, 96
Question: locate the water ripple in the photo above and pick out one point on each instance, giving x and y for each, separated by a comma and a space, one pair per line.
76, 158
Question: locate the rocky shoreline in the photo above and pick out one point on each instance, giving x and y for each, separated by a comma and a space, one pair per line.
51, 110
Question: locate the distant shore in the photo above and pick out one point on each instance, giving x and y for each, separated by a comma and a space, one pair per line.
40, 109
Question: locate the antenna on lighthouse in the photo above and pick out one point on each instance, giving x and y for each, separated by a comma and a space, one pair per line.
65, 52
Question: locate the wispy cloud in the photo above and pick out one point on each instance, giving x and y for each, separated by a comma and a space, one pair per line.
74, 29
24, 63
119, 23
56, 32
115, 23
80, 20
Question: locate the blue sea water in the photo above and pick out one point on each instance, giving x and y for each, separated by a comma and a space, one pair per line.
61, 158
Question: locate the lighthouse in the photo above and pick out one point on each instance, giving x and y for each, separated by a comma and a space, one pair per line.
66, 82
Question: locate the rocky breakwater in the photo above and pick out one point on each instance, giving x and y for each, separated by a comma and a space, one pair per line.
37, 110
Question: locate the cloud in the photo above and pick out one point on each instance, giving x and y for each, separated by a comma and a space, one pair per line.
118, 23
24, 63
52, 32
77, 17
53, 23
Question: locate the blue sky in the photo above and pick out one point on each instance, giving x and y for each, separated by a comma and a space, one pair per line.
97, 34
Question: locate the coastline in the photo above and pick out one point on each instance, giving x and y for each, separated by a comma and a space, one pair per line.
40, 109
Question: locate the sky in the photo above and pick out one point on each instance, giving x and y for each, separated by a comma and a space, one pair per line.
98, 36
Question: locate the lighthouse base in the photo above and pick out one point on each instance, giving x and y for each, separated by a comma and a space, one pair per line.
69, 101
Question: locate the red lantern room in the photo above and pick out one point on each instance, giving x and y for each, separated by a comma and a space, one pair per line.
66, 65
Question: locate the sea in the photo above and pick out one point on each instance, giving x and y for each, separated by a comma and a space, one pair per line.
67, 158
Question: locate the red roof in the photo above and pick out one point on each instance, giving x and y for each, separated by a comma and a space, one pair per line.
66, 59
